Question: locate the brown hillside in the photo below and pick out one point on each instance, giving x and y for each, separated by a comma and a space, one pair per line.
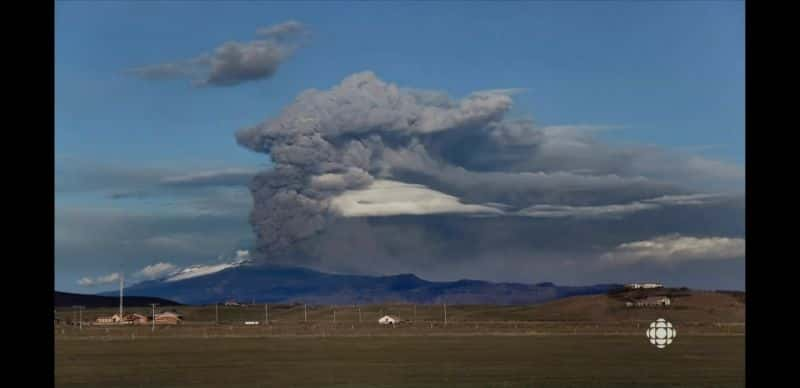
691, 306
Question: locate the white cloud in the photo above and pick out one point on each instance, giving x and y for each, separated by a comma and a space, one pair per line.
242, 256
558, 211
676, 248
199, 270
157, 270
100, 280
282, 30
689, 199
170, 272
716, 169
617, 210
389, 198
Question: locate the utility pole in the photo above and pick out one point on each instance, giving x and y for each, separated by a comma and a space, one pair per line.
216, 313
305, 313
266, 308
153, 328
359, 314
80, 315
445, 314
121, 287
415, 313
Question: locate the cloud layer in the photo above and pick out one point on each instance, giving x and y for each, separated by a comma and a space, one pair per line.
389, 198
156, 271
100, 280
675, 248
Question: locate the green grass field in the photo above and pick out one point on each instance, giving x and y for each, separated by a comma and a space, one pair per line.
401, 361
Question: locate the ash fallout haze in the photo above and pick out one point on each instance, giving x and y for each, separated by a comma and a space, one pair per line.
575, 143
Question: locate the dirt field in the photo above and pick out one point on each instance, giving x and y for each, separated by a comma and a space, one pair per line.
402, 361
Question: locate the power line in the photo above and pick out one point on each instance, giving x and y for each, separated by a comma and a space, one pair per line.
154, 316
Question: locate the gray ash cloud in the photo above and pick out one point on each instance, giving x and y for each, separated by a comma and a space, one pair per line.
233, 63
464, 155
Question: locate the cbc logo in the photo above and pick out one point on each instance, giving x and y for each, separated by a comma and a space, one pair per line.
661, 333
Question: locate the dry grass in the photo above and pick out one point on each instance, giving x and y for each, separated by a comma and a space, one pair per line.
582, 341
398, 361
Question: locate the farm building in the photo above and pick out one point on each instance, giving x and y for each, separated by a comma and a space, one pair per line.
135, 319
114, 319
168, 318
650, 301
232, 303
388, 320
644, 285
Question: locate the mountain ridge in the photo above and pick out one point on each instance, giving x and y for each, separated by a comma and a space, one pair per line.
272, 283
69, 299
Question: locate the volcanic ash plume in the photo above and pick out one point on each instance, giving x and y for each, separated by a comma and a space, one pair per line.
329, 142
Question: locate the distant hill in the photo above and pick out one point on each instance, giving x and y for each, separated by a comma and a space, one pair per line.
65, 299
686, 306
285, 284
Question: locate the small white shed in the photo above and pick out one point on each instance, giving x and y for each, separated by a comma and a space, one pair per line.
388, 320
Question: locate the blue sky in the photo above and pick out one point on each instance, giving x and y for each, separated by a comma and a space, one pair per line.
667, 74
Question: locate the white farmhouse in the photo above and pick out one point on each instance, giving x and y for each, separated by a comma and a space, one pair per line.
644, 285
388, 320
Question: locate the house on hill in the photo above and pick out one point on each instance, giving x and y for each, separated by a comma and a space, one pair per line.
388, 320
634, 286
650, 301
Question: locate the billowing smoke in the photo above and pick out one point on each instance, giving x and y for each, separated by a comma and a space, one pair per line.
328, 142
367, 148
234, 63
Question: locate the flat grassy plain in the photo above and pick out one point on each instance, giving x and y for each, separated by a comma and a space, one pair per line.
578, 342
401, 361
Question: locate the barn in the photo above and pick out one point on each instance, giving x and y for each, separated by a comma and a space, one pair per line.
135, 319
388, 320
168, 318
